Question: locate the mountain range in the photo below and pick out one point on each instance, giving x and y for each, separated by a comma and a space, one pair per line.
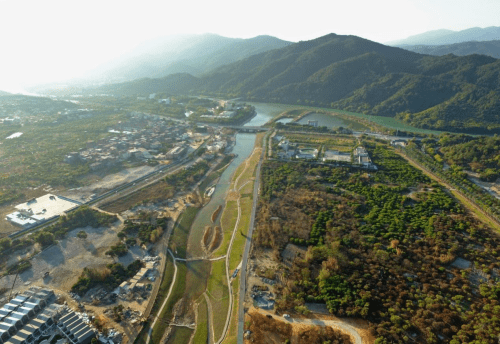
193, 54
443, 37
488, 48
351, 73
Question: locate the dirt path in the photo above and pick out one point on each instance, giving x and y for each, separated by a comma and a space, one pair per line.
211, 334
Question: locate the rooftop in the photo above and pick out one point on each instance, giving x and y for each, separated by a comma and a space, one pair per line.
47, 206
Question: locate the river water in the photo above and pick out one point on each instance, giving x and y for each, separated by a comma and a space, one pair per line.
243, 148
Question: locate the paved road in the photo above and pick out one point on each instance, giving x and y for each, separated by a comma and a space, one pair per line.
243, 272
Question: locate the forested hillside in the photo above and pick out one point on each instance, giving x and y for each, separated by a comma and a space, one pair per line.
350, 73
488, 48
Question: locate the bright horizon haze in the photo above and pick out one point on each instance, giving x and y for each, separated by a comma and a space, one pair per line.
55, 41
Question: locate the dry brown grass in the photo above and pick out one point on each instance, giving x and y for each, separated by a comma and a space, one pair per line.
216, 239
207, 236
273, 330
265, 330
232, 196
216, 213
155, 192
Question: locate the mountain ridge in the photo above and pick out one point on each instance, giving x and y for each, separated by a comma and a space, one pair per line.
445, 37
351, 73
195, 54
488, 48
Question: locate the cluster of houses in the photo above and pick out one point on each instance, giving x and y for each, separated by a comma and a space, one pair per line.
137, 282
217, 144
31, 316
142, 138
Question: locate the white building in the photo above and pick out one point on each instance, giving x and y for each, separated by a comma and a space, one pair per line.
307, 153
39, 209
333, 155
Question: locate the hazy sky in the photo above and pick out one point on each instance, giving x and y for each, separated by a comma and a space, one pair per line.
54, 40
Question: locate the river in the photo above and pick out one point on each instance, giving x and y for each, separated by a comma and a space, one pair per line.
243, 148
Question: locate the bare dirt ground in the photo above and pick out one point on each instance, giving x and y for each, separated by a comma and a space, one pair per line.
492, 188
261, 264
65, 260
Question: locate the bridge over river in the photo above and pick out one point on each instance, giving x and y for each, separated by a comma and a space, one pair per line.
246, 129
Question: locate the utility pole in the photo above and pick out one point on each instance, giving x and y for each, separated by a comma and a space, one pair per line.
13, 284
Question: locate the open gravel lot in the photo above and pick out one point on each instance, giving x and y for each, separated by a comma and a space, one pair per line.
65, 260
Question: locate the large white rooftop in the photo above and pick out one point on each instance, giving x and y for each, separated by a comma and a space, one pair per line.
47, 206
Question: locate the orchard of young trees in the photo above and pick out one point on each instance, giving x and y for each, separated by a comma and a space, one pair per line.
383, 246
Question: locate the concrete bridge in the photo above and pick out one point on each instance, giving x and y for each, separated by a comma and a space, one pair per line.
244, 129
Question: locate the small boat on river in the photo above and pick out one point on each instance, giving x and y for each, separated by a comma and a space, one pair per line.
209, 192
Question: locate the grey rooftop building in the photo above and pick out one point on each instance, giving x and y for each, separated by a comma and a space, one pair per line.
75, 330
25, 318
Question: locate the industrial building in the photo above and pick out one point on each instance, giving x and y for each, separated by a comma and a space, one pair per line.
26, 317
39, 209
335, 155
176, 152
75, 330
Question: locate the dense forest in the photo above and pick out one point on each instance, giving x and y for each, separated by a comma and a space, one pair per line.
389, 246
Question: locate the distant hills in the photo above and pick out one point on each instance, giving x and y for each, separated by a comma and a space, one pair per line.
194, 54
444, 37
351, 73
488, 48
